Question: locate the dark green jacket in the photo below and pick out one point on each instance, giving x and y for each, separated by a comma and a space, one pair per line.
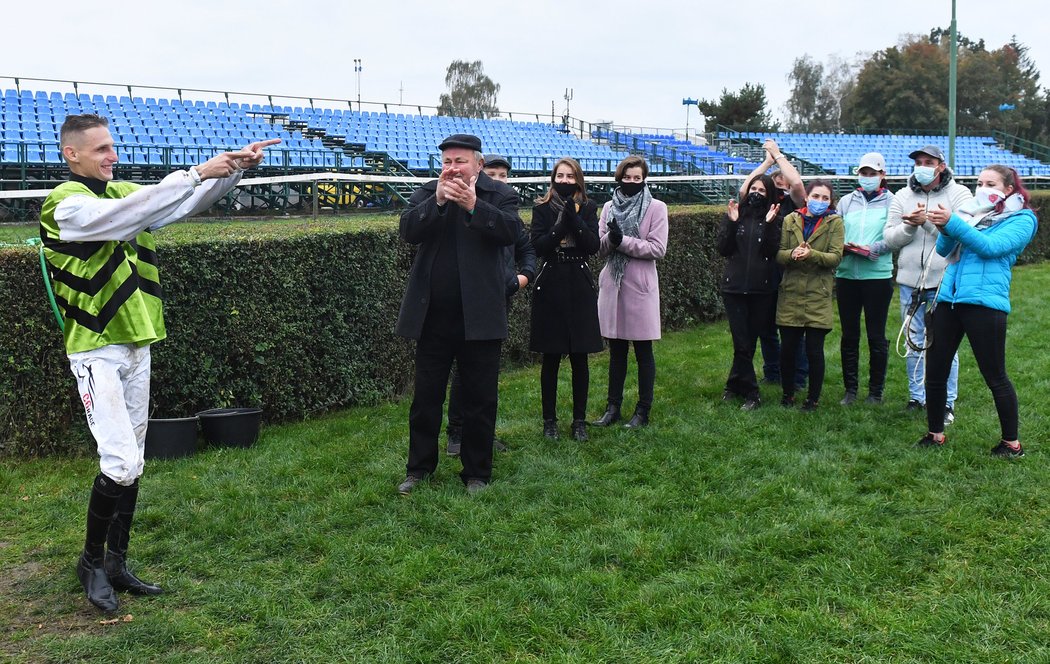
805, 291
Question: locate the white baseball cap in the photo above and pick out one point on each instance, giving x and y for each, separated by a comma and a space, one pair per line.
874, 161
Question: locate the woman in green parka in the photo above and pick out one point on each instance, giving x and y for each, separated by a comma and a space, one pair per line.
810, 250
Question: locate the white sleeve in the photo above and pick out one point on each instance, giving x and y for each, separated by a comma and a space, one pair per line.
203, 197
87, 219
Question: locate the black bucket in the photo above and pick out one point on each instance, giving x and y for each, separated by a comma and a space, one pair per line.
231, 427
171, 438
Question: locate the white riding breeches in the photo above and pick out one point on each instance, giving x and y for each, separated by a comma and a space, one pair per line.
114, 388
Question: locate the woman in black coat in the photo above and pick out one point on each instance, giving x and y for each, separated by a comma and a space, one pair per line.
565, 300
749, 239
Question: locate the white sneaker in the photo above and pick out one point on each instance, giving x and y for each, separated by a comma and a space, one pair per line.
949, 416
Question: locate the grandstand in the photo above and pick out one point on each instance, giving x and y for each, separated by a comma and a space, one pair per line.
177, 132
839, 153
157, 134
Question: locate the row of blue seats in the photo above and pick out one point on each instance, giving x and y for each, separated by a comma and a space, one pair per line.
972, 152
185, 157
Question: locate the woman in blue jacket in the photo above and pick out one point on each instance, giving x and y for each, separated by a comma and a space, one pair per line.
864, 280
982, 243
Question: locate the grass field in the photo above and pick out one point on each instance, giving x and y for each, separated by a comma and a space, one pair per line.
712, 536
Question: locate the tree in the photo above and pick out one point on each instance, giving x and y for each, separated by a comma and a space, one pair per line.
471, 94
906, 87
816, 94
739, 110
805, 77
901, 87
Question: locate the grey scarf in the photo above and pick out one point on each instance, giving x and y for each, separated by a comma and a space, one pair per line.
628, 212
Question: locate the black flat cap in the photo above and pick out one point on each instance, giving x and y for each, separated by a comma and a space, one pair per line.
467, 141
931, 150
497, 160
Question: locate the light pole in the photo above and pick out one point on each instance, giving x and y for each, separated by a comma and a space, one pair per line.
953, 50
357, 74
688, 103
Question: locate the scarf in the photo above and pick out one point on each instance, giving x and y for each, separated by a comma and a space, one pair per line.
628, 212
984, 217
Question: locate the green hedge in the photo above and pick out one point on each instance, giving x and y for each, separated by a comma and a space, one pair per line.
297, 318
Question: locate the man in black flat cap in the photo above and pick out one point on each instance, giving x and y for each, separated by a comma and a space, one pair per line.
455, 305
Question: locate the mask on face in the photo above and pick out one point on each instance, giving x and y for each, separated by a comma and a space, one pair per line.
924, 175
755, 199
988, 197
816, 208
565, 189
631, 188
869, 184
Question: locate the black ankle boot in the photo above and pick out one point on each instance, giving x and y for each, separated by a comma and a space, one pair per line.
550, 429
639, 419
123, 580
96, 584
611, 416
579, 430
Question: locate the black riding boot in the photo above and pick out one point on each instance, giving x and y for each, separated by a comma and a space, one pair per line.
90, 570
117, 544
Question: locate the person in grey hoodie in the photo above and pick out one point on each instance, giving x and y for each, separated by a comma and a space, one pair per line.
919, 268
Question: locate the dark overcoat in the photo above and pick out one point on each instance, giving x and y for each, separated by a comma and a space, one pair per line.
480, 241
750, 247
565, 299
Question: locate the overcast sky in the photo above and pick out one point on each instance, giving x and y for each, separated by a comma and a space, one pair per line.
629, 62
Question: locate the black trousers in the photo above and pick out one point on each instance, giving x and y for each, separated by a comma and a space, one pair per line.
455, 395
581, 380
791, 338
455, 400
986, 330
643, 355
749, 316
870, 297
478, 362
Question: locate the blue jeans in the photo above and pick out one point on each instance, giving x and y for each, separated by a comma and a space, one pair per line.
917, 331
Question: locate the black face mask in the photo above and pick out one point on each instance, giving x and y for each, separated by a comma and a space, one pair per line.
631, 188
565, 189
755, 199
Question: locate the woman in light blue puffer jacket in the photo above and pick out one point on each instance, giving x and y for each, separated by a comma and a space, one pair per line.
981, 242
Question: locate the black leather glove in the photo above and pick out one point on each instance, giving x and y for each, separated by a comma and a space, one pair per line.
615, 234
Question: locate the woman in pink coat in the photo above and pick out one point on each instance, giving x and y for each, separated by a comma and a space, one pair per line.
633, 233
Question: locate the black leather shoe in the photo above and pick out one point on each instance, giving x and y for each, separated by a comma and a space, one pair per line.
611, 416
550, 429
579, 430
851, 396
638, 420
123, 580
96, 585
